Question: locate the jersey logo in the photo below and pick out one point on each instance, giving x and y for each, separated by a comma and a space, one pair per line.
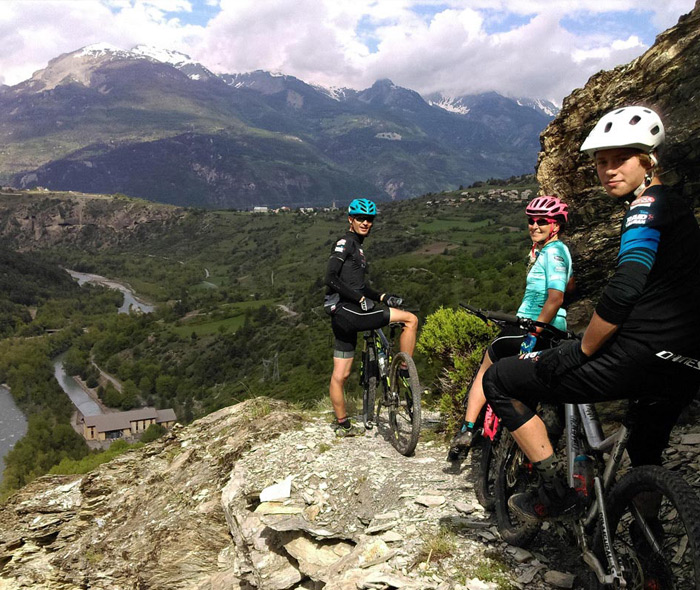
558, 258
642, 201
340, 245
638, 219
667, 355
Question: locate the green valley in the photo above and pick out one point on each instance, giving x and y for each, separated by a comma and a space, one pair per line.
239, 295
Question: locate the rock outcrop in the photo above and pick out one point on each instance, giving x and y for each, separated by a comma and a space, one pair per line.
260, 497
43, 219
666, 78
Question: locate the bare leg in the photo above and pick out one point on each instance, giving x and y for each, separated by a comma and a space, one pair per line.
533, 440
407, 340
477, 399
341, 372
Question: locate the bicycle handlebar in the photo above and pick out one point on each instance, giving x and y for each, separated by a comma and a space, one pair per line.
514, 320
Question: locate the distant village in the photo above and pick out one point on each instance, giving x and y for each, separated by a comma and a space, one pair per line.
496, 195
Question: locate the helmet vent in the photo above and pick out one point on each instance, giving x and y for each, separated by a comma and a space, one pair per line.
607, 127
634, 120
655, 130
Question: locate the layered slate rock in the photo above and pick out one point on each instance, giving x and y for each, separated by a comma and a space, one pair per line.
666, 78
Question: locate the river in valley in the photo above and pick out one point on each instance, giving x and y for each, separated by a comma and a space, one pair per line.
13, 425
130, 300
81, 400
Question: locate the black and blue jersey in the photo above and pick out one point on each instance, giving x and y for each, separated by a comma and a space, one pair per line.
654, 295
346, 270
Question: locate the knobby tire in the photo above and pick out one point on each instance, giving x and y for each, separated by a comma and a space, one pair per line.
485, 484
676, 529
403, 405
515, 474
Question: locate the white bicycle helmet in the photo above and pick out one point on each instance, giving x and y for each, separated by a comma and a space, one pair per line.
626, 127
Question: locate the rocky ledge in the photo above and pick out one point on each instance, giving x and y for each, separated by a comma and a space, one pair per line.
257, 496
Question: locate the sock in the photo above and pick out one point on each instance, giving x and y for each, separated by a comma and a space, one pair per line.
547, 469
467, 426
345, 423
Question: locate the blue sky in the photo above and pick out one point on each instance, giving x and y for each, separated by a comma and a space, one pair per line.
529, 48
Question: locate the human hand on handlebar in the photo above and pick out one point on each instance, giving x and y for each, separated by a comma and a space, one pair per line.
551, 365
393, 300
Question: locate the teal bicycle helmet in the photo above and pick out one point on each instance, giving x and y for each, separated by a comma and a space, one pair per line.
362, 207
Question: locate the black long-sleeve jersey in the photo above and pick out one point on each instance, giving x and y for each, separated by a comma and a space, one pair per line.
654, 295
346, 270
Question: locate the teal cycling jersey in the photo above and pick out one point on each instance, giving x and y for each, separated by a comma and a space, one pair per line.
551, 270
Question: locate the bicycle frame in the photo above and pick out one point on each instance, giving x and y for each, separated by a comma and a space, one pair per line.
583, 419
491, 423
377, 340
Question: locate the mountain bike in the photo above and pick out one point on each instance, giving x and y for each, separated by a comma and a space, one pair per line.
640, 530
398, 406
491, 431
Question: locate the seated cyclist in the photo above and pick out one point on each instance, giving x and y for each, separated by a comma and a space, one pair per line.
549, 277
355, 307
643, 341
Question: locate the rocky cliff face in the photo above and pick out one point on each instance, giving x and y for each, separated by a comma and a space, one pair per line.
42, 219
666, 78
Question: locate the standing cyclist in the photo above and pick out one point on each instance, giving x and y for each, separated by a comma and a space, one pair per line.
549, 277
353, 307
643, 341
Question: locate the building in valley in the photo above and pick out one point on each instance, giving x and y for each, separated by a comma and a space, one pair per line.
126, 424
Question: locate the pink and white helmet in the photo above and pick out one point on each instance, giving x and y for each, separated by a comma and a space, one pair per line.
547, 206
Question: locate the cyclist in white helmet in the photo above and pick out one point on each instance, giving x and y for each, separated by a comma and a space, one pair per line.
549, 277
643, 341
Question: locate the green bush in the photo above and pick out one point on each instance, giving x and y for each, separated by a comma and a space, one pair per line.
153, 432
94, 459
456, 340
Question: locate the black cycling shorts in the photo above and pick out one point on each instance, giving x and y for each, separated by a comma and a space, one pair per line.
514, 389
348, 319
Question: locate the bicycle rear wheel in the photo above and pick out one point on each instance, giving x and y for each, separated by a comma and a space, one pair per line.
515, 474
654, 520
402, 402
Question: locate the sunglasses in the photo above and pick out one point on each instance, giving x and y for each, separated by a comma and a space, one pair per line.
541, 221
363, 219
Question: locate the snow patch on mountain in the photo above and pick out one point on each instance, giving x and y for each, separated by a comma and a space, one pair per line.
166, 56
335, 92
100, 50
452, 105
545, 106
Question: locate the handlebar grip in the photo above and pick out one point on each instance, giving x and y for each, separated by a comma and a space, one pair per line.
513, 320
504, 317
493, 315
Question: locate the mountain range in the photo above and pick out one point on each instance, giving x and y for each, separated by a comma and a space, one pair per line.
155, 124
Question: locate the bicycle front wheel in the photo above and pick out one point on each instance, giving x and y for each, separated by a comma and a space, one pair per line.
654, 518
485, 483
402, 401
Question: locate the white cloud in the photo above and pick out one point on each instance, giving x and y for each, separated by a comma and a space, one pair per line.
427, 45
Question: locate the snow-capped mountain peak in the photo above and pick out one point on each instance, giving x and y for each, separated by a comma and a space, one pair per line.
167, 56
192, 69
101, 50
